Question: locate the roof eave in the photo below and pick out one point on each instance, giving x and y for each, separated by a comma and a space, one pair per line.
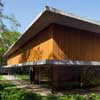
76, 21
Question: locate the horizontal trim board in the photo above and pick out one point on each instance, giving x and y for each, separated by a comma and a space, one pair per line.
57, 62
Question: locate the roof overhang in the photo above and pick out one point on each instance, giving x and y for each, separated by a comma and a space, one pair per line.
51, 15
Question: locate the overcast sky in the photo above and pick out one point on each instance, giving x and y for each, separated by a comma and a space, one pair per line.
26, 10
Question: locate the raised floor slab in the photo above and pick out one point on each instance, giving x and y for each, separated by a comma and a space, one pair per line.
57, 62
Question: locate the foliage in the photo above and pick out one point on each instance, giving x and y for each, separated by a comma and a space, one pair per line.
9, 91
90, 77
1, 78
10, 18
8, 35
7, 39
23, 77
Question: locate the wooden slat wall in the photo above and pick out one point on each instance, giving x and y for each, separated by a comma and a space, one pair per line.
59, 43
74, 44
37, 48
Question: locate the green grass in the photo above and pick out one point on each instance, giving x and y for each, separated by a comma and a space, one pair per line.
23, 77
1, 77
9, 91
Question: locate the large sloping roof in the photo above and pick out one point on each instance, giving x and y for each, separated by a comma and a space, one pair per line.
51, 15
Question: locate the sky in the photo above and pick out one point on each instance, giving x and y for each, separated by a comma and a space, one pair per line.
26, 10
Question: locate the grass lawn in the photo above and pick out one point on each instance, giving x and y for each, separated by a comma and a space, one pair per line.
23, 77
1, 78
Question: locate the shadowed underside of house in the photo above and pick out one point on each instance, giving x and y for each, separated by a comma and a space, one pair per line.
65, 44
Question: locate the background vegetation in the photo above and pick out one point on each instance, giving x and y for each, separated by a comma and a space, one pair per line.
9, 91
7, 35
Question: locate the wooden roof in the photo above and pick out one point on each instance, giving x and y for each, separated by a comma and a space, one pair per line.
51, 15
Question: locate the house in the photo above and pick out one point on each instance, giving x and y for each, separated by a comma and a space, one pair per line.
59, 45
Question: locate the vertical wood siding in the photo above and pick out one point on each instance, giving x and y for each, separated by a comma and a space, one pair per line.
37, 48
74, 44
59, 43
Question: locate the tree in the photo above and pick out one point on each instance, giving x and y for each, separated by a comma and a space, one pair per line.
8, 38
7, 35
11, 19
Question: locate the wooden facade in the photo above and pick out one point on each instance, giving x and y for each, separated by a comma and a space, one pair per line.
58, 42
38, 48
74, 44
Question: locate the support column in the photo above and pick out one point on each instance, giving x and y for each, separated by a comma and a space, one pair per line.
51, 79
36, 78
